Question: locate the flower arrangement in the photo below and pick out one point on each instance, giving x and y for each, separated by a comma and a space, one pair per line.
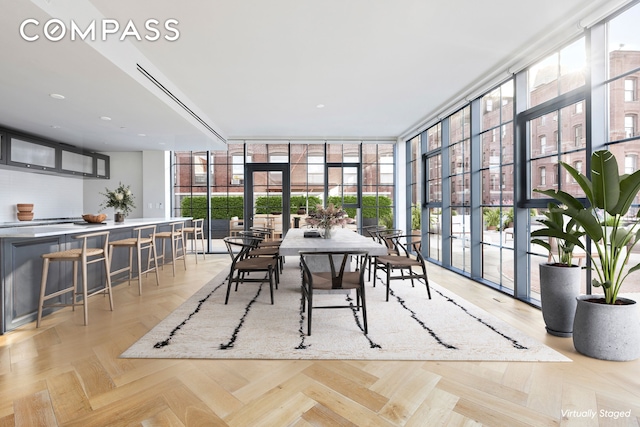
327, 217
121, 199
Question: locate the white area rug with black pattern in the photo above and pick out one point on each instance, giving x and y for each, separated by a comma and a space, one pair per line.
407, 327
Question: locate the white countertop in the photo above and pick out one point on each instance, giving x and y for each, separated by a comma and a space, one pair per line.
72, 228
342, 239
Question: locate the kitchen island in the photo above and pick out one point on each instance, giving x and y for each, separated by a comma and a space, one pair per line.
21, 248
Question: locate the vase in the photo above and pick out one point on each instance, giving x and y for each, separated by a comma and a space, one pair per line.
607, 331
119, 217
327, 233
559, 287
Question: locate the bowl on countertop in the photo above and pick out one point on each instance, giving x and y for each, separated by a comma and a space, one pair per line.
94, 219
25, 207
25, 216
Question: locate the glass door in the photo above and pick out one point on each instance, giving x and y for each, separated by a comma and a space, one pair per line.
342, 188
266, 195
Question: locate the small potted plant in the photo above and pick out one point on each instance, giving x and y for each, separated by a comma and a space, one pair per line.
121, 199
606, 327
559, 279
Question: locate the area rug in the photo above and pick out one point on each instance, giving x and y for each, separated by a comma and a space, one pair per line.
407, 327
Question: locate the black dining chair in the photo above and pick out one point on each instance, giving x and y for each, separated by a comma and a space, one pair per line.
243, 264
337, 276
409, 263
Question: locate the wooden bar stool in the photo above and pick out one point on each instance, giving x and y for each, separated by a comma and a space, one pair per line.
85, 255
176, 237
144, 240
197, 231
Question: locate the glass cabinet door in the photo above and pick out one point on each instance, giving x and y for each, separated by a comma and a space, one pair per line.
77, 163
30, 154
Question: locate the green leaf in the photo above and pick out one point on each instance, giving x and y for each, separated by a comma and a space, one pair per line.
563, 197
629, 188
542, 243
582, 180
605, 179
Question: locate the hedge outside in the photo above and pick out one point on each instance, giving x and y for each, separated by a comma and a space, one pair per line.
225, 207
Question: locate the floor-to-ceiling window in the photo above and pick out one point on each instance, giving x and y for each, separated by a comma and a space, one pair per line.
460, 185
357, 175
558, 109
497, 174
432, 166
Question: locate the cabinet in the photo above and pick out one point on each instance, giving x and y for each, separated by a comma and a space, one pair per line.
32, 153
3, 148
77, 163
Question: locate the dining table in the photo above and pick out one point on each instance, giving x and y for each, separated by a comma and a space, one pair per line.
342, 239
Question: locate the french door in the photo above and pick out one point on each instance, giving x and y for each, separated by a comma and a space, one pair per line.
267, 196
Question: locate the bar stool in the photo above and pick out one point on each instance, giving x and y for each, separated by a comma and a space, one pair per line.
175, 236
145, 239
196, 230
84, 255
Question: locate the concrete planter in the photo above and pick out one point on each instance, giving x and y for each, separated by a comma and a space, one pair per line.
605, 331
559, 287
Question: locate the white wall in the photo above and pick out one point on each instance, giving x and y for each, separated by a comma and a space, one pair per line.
125, 168
53, 196
156, 176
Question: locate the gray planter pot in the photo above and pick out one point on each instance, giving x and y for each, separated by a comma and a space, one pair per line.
559, 288
608, 332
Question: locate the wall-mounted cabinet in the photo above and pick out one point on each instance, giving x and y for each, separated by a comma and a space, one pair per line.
31, 153
102, 165
3, 148
77, 163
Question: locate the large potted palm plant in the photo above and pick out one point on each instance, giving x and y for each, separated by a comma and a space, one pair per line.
606, 327
560, 278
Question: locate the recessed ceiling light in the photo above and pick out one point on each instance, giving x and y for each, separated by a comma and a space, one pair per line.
142, 134
56, 96
55, 126
105, 118
320, 106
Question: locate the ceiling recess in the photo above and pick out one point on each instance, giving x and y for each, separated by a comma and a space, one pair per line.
180, 103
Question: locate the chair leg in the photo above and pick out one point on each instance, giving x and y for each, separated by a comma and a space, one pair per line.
184, 250
173, 255
364, 309
131, 265
271, 283
85, 294
139, 269
75, 285
43, 286
107, 261
388, 279
310, 311
426, 281
155, 262
226, 300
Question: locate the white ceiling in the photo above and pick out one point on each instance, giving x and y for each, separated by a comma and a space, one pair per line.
258, 69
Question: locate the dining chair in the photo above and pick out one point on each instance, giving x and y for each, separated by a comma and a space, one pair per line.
410, 263
243, 264
337, 277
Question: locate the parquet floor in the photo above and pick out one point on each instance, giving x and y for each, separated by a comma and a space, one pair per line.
70, 375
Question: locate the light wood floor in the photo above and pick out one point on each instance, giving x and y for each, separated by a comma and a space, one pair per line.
67, 374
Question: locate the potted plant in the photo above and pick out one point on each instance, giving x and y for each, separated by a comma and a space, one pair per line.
492, 218
605, 327
121, 199
560, 279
